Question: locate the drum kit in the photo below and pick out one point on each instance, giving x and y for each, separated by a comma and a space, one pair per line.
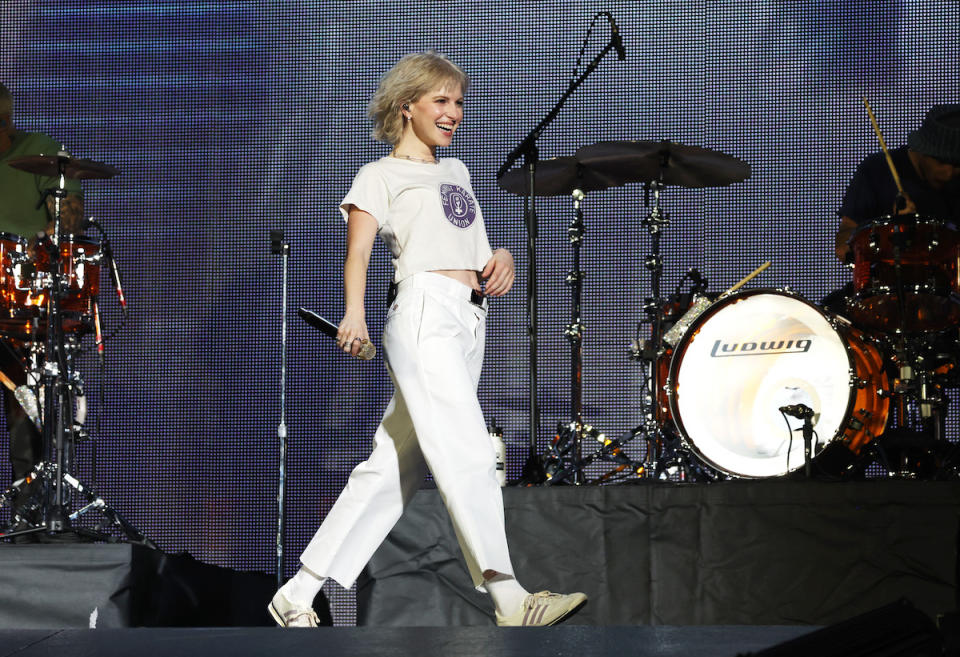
49, 300
763, 383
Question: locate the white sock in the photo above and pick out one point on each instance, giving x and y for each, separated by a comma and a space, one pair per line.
302, 588
507, 594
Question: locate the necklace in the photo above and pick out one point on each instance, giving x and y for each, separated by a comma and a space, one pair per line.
411, 158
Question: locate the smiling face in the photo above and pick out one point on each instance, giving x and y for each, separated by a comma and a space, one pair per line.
433, 118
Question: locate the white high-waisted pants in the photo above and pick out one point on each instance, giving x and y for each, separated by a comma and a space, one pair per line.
433, 341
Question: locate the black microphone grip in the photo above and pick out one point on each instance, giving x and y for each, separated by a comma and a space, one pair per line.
367, 349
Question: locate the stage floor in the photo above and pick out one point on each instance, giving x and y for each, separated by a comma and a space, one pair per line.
572, 640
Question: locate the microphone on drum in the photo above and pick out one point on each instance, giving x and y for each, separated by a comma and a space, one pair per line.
799, 411
115, 275
108, 252
98, 334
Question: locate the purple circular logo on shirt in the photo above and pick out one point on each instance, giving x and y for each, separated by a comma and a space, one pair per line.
458, 205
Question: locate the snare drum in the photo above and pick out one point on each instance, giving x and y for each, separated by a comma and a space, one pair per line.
929, 251
753, 352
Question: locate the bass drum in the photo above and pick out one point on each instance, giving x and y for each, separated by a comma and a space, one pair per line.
750, 354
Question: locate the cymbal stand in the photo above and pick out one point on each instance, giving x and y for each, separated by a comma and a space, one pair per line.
56, 386
570, 436
663, 449
649, 351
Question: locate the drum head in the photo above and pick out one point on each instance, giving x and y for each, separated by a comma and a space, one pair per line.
746, 357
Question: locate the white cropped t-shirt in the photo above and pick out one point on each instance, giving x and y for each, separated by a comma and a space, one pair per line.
427, 214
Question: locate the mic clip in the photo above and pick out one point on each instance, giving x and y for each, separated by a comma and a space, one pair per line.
799, 411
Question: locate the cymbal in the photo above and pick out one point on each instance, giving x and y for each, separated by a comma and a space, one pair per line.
73, 167
557, 176
665, 161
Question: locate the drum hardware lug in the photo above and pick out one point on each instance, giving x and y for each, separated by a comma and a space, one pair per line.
80, 434
18, 257
574, 332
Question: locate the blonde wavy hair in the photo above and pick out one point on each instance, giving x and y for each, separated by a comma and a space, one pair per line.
413, 76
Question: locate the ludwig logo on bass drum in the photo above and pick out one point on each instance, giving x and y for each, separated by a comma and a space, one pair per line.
723, 349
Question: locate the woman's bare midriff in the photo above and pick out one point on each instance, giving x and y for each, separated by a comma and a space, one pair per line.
468, 277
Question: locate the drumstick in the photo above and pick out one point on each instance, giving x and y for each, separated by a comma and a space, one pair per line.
747, 278
7, 382
886, 153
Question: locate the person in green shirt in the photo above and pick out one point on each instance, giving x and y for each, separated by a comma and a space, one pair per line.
26, 209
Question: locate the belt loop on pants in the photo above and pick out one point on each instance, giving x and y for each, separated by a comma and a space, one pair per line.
478, 298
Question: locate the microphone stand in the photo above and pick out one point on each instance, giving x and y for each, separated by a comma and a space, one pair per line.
533, 469
56, 391
808, 445
280, 247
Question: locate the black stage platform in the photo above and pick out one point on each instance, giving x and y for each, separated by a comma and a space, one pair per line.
85, 585
730, 553
720, 569
562, 641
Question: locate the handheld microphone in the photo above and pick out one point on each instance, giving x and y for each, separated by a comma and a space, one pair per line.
367, 349
799, 411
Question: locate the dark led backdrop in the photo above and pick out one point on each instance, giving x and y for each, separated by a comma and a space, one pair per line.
228, 119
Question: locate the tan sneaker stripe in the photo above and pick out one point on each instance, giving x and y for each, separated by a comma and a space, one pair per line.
542, 610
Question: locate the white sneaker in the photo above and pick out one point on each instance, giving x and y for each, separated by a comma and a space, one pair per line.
289, 615
544, 608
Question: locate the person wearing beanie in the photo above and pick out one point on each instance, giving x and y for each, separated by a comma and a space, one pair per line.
929, 170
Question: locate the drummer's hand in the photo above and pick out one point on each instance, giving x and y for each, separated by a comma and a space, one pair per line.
844, 233
499, 273
352, 332
908, 206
